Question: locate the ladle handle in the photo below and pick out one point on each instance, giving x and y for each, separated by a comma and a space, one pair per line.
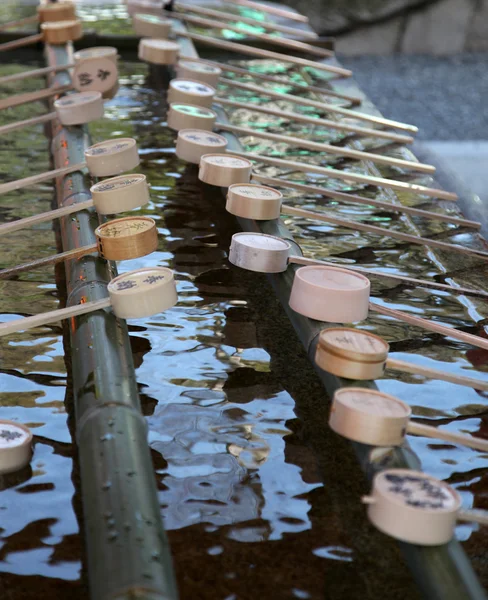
380, 182
467, 338
25, 41
329, 148
330, 108
10, 186
397, 235
473, 515
35, 73
408, 367
249, 50
49, 260
26, 122
19, 99
43, 217
457, 438
52, 316
272, 10
19, 22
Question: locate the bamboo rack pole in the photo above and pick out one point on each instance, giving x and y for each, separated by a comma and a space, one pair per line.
127, 555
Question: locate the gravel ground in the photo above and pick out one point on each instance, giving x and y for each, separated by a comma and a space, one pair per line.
446, 97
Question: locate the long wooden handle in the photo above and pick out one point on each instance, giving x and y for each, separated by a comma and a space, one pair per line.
19, 99
52, 316
19, 22
25, 41
272, 10
34, 73
267, 25
337, 125
447, 436
26, 122
49, 260
43, 217
354, 199
301, 260
405, 237
408, 367
33, 179
279, 80
351, 114
473, 516
462, 336
244, 49
280, 41
329, 149
350, 177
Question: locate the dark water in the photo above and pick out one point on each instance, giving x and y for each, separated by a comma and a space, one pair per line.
258, 496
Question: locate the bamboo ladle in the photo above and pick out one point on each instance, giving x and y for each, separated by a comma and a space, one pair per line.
249, 50
417, 508
262, 203
87, 54
295, 142
98, 74
304, 87
273, 257
360, 355
119, 239
324, 292
109, 197
54, 11
55, 33
104, 159
133, 295
75, 109
371, 417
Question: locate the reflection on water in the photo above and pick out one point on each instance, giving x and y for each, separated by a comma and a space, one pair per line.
255, 492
